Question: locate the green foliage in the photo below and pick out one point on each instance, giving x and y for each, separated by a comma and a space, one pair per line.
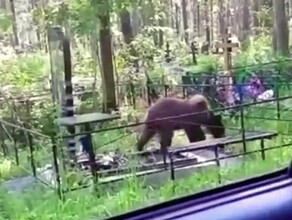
265, 16
45, 119
157, 74
23, 72
9, 170
259, 52
51, 15
83, 17
5, 168
207, 64
84, 65
5, 23
145, 48
180, 51
115, 140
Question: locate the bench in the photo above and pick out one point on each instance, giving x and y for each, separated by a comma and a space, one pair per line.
202, 145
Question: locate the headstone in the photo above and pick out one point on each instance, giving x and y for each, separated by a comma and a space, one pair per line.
194, 52
167, 55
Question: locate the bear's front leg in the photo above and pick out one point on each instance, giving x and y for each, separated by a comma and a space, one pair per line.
147, 134
165, 141
194, 133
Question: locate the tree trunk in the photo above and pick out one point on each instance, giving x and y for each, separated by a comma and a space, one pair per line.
208, 38
161, 24
194, 10
152, 22
16, 40
2, 4
228, 14
287, 11
171, 15
255, 20
107, 64
245, 21
185, 20
212, 21
274, 38
146, 12
135, 20
281, 27
127, 31
33, 6
198, 19
126, 26
238, 18
221, 17
290, 8
177, 19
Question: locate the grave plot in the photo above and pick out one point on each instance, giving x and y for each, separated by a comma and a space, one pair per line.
183, 159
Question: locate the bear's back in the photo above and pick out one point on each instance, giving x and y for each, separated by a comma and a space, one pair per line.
166, 107
199, 102
171, 107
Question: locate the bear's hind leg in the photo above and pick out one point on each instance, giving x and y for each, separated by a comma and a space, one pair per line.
165, 141
195, 133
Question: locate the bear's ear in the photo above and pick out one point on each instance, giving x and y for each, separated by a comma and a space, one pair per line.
218, 117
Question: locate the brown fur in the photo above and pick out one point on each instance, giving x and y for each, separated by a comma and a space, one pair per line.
191, 122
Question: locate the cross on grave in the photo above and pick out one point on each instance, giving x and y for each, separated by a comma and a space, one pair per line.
194, 52
227, 46
167, 56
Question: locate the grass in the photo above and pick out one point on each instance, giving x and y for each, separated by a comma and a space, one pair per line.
42, 204
9, 169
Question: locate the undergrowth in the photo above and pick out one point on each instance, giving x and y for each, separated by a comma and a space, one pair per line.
25, 72
43, 204
134, 193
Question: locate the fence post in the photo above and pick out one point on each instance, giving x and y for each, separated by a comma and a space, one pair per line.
277, 96
13, 116
55, 156
242, 121
172, 174
184, 91
14, 140
165, 90
91, 156
148, 93
30, 139
15, 147
133, 94
263, 149
31, 149
68, 104
217, 162
3, 146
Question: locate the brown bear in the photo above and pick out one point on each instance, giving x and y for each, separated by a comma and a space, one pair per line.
169, 110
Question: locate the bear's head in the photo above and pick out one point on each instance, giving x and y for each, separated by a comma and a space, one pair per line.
216, 127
